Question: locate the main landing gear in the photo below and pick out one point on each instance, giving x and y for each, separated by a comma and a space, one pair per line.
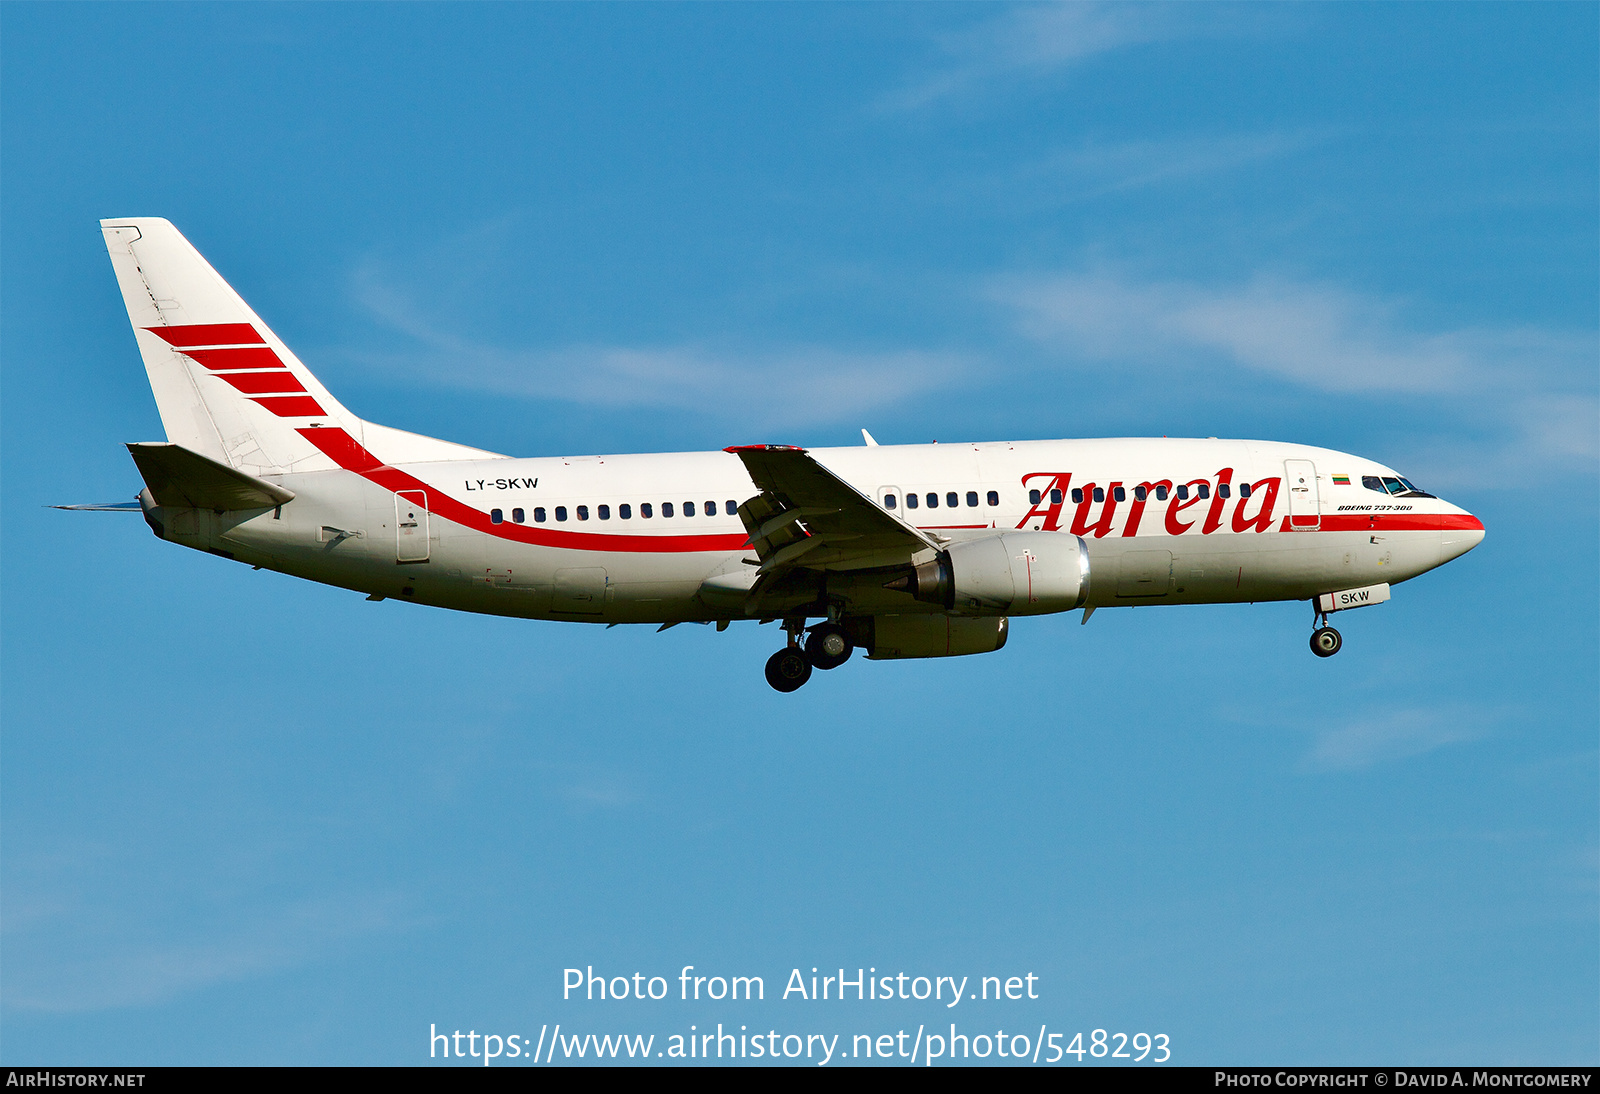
788, 669
827, 646
1325, 641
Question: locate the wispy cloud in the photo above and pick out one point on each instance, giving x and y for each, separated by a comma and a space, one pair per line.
1096, 169
605, 791
1033, 40
1392, 735
1318, 336
111, 971
762, 386
1479, 405
1529, 393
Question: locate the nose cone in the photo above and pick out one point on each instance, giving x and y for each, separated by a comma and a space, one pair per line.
1462, 532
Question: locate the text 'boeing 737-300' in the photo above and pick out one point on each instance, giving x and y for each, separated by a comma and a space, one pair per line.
899, 550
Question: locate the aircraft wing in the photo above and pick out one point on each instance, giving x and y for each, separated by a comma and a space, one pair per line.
808, 517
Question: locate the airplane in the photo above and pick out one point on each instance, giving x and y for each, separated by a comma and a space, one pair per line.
902, 551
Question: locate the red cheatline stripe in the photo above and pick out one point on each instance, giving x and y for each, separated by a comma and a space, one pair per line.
292, 406
1401, 522
209, 334
1395, 522
260, 383
238, 357
350, 455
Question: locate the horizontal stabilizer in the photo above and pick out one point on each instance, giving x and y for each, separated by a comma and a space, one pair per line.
183, 479
104, 507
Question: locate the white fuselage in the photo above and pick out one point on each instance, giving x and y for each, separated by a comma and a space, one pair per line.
568, 538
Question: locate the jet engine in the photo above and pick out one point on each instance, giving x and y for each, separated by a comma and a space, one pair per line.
1018, 573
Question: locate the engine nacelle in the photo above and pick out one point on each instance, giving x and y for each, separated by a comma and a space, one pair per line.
891, 637
1018, 573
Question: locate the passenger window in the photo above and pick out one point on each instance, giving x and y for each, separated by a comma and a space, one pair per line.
972, 499
911, 501
516, 516
646, 510
539, 515
1139, 493
1033, 497
1099, 493
1055, 496
1183, 493
994, 497
953, 500
583, 512
1222, 490
1077, 495
1203, 491
688, 508
1244, 490
729, 508
1161, 493
561, 512
932, 499
666, 508
711, 508
496, 516
605, 512
1119, 494
888, 501
625, 511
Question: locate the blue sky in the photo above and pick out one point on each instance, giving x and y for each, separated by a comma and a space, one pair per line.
249, 819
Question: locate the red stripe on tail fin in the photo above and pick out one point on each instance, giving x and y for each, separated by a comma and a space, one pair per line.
240, 357
263, 383
209, 334
292, 406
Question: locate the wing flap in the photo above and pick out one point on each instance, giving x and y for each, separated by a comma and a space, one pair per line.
803, 507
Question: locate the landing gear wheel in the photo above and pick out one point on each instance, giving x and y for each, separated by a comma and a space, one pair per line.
1325, 642
828, 646
788, 669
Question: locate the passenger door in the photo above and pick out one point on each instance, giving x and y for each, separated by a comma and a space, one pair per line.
411, 526
1305, 513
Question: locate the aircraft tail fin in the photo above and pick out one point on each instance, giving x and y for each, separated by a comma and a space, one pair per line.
226, 386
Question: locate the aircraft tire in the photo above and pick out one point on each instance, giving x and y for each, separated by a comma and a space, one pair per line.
828, 646
1325, 642
787, 670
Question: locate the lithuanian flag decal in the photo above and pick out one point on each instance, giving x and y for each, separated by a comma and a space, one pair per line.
1341, 480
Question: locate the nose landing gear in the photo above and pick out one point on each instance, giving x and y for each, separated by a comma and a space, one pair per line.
1325, 641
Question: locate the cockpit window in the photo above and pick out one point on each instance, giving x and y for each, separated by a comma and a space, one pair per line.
1390, 484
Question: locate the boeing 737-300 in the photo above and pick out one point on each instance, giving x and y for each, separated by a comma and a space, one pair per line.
898, 550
